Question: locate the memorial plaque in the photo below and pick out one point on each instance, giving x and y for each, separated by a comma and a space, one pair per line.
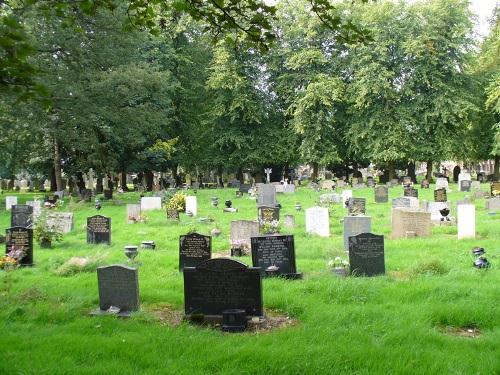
356, 206
440, 195
268, 214
266, 195
194, 248
99, 230
495, 189
381, 194
354, 225
21, 215
221, 284
118, 288
366, 255
465, 185
405, 222
276, 251
133, 213
20, 239
410, 192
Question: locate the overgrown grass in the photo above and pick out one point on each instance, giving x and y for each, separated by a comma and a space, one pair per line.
382, 325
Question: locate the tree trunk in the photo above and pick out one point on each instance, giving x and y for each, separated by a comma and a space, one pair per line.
98, 186
53, 185
391, 170
220, 171
429, 171
80, 182
314, 176
124, 181
496, 169
411, 171
239, 175
57, 167
149, 180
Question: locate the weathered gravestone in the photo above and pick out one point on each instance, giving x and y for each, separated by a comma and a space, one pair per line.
495, 189
37, 208
289, 221
318, 221
493, 205
465, 185
279, 187
425, 184
401, 202
108, 194
268, 214
464, 176
133, 213
407, 223
441, 183
366, 255
20, 239
266, 195
278, 251
346, 195
222, 284
407, 181
370, 182
475, 185
244, 188
354, 225
85, 195
242, 231
466, 221
99, 230
330, 198
172, 214
61, 221
194, 248
118, 290
150, 203
10, 201
356, 206
410, 192
440, 195
21, 215
327, 184
289, 189
381, 194
192, 205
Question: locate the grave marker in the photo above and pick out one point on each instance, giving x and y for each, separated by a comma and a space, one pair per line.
466, 221
407, 223
440, 195
366, 255
21, 215
354, 225
356, 206
10, 201
194, 248
151, 203
133, 213
20, 239
99, 230
318, 221
276, 251
381, 194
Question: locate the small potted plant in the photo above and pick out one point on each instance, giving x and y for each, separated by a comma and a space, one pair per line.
45, 232
269, 226
339, 267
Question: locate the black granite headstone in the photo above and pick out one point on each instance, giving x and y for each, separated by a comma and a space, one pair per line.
21, 216
221, 284
20, 239
194, 248
440, 195
410, 192
276, 251
98, 230
366, 254
118, 288
356, 206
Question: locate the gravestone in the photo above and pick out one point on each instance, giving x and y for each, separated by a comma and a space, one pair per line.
346, 194
21, 215
85, 195
366, 255
10, 201
279, 188
404, 202
37, 207
276, 251
356, 206
150, 203
381, 194
194, 248
118, 289
268, 214
354, 225
220, 284
464, 176
493, 205
410, 192
330, 198
289, 221
370, 182
192, 205
441, 183
289, 189
266, 195
425, 184
407, 181
475, 185
172, 214
20, 239
61, 221
465, 185
243, 230
99, 230
440, 195
108, 194
133, 213
244, 188
327, 184
318, 221
466, 221
495, 189
408, 223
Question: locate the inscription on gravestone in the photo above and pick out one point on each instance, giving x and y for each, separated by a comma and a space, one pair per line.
21, 216
194, 248
465, 185
118, 288
221, 284
356, 206
406, 223
401, 202
440, 195
276, 251
99, 230
20, 239
267, 214
366, 255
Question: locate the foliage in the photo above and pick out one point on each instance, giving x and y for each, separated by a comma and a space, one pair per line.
45, 230
177, 202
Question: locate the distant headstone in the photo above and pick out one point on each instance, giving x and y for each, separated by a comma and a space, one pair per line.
61, 221
465, 185
150, 203
370, 182
268, 214
289, 221
21, 215
266, 195
289, 189
318, 221
20, 239
434, 208
408, 223
194, 248
493, 205
276, 251
10, 201
245, 187
99, 230
172, 214
327, 184
330, 198
404, 202
354, 225
475, 185
192, 204
279, 188
243, 230
356, 206
381, 194
441, 183
495, 189
464, 176
133, 213
118, 289
37, 207
85, 195
440, 195
221, 284
366, 255
407, 181
466, 221
108, 194
346, 194
410, 192
425, 184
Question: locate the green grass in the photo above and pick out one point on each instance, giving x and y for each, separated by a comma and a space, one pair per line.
393, 324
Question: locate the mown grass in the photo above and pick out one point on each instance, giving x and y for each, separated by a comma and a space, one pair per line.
393, 324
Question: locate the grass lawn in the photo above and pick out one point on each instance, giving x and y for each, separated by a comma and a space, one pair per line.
409, 321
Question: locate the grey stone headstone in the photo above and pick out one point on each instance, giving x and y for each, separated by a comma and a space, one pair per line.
62, 221
21, 216
289, 221
133, 213
493, 205
406, 221
118, 287
354, 225
381, 194
357, 206
401, 202
266, 195
243, 231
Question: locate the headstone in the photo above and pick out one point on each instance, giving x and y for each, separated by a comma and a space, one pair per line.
243, 230
493, 205
289, 221
61, 221
133, 213
330, 198
381, 194
318, 221
10, 201
407, 181
354, 225
370, 182
276, 251
221, 284
150, 203
245, 187
192, 205
434, 208
289, 189
466, 221
366, 255
346, 194
475, 185
21, 215
408, 223
279, 188
108, 194
85, 195
37, 207
404, 202
410, 192
194, 248
172, 214
99, 230
118, 289
266, 195
440, 195
441, 183
495, 189
327, 184
465, 185
425, 184
268, 214
20, 239
464, 176
356, 206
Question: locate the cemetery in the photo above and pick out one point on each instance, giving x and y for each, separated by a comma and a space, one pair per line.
250, 187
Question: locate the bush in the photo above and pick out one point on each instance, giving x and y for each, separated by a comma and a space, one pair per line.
177, 202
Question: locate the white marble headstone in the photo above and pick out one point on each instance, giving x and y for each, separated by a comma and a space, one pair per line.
10, 201
192, 205
442, 183
464, 176
466, 221
318, 221
346, 194
150, 203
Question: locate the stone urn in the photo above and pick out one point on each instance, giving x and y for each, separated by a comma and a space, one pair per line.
481, 262
131, 252
298, 206
272, 271
228, 203
444, 213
